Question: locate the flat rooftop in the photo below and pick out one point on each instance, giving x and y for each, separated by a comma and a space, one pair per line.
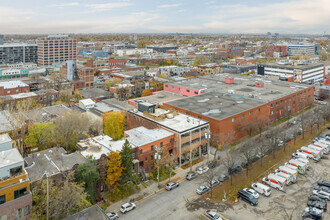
12, 84
52, 161
141, 136
4, 138
242, 86
10, 157
118, 104
217, 105
292, 67
179, 123
159, 97
93, 212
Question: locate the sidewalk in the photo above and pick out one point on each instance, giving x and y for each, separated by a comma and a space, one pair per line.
153, 189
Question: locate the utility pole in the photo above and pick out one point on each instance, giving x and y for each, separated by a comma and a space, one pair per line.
157, 157
208, 137
47, 195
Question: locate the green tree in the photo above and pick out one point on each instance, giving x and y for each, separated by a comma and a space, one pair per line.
141, 44
128, 172
40, 135
88, 175
114, 124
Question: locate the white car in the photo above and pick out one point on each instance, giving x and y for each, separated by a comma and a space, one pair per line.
112, 215
322, 194
252, 192
127, 207
202, 170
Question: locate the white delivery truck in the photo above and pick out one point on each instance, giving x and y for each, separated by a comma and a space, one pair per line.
289, 178
305, 161
288, 171
323, 146
315, 155
301, 155
325, 142
261, 188
275, 181
316, 148
301, 166
291, 167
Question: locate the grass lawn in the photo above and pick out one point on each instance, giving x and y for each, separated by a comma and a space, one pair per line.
257, 172
164, 173
122, 192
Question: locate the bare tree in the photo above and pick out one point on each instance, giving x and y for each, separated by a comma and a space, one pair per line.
208, 178
262, 149
229, 162
247, 152
247, 127
273, 138
221, 141
261, 123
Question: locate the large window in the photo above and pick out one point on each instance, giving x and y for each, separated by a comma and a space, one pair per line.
20, 192
2, 199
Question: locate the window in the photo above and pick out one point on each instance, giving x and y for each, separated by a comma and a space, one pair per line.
15, 170
152, 157
233, 119
251, 112
271, 105
146, 158
152, 147
152, 167
171, 140
22, 212
161, 144
188, 90
276, 103
8, 92
141, 152
173, 87
258, 109
271, 113
19, 193
242, 116
2, 199
196, 93
17, 90
281, 101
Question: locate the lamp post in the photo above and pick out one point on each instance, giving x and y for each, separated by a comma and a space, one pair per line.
46, 173
208, 137
157, 157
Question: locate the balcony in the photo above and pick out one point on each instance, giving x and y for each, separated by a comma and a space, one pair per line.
13, 179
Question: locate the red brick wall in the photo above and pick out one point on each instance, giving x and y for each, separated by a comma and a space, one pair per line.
10, 208
13, 91
270, 49
86, 75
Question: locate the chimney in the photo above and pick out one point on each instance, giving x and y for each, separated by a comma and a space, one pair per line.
229, 80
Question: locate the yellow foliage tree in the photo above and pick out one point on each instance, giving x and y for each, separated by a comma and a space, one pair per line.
114, 124
146, 92
114, 171
168, 62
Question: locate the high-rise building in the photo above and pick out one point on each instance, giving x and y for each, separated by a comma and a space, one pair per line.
56, 49
18, 53
15, 195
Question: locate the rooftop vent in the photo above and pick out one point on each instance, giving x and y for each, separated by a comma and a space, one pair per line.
260, 84
229, 80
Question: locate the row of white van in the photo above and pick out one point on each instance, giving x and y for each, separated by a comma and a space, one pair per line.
288, 173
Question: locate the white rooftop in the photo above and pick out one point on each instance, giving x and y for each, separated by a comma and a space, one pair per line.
12, 84
141, 136
24, 95
87, 102
4, 138
9, 157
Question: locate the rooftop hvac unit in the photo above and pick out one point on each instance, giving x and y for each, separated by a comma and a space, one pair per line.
169, 116
229, 80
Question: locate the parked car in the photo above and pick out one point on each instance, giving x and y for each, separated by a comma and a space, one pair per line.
112, 215
324, 183
171, 185
202, 189
247, 197
315, 212
212, 215
244, 164
214, 183
317, 204
322, 194
223, 177
322, 188
234, 169
202, 170
261, 188
252, 192
316, 198
127, 207
191, 176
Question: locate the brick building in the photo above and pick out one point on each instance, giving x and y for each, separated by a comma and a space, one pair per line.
209, 69
15, 195
13, 87
105, 63
230, 103
280, 49
56, 49
86, 74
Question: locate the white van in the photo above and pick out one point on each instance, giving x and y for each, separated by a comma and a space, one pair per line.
289, 178
301, 166
301, 155
291, 167
261, 188
288, 170
325, 142
323, 146
275, 181
315, 155
316, 148
305, 161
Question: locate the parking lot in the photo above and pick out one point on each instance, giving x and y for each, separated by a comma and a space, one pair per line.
282, 205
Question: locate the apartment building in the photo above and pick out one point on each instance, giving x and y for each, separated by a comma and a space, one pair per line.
86, 74
209, 69
105, 63
56, 49
15, 195
294, 48
13, 87
18, 53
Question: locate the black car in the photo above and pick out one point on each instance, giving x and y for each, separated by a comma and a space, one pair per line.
191, 176
308, 216
234, 169
247, 197
314, 212
322, 188
223, 177
316, 198
317, 204
324, 183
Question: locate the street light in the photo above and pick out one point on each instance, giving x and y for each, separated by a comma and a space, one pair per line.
46, 173
158, 157
208, 137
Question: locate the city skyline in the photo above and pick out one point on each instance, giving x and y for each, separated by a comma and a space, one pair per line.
127, 16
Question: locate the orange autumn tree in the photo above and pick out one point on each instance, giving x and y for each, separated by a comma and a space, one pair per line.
114, 171
114, 124
146, 92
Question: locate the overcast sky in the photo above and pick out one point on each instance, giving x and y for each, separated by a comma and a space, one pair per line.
162, 16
